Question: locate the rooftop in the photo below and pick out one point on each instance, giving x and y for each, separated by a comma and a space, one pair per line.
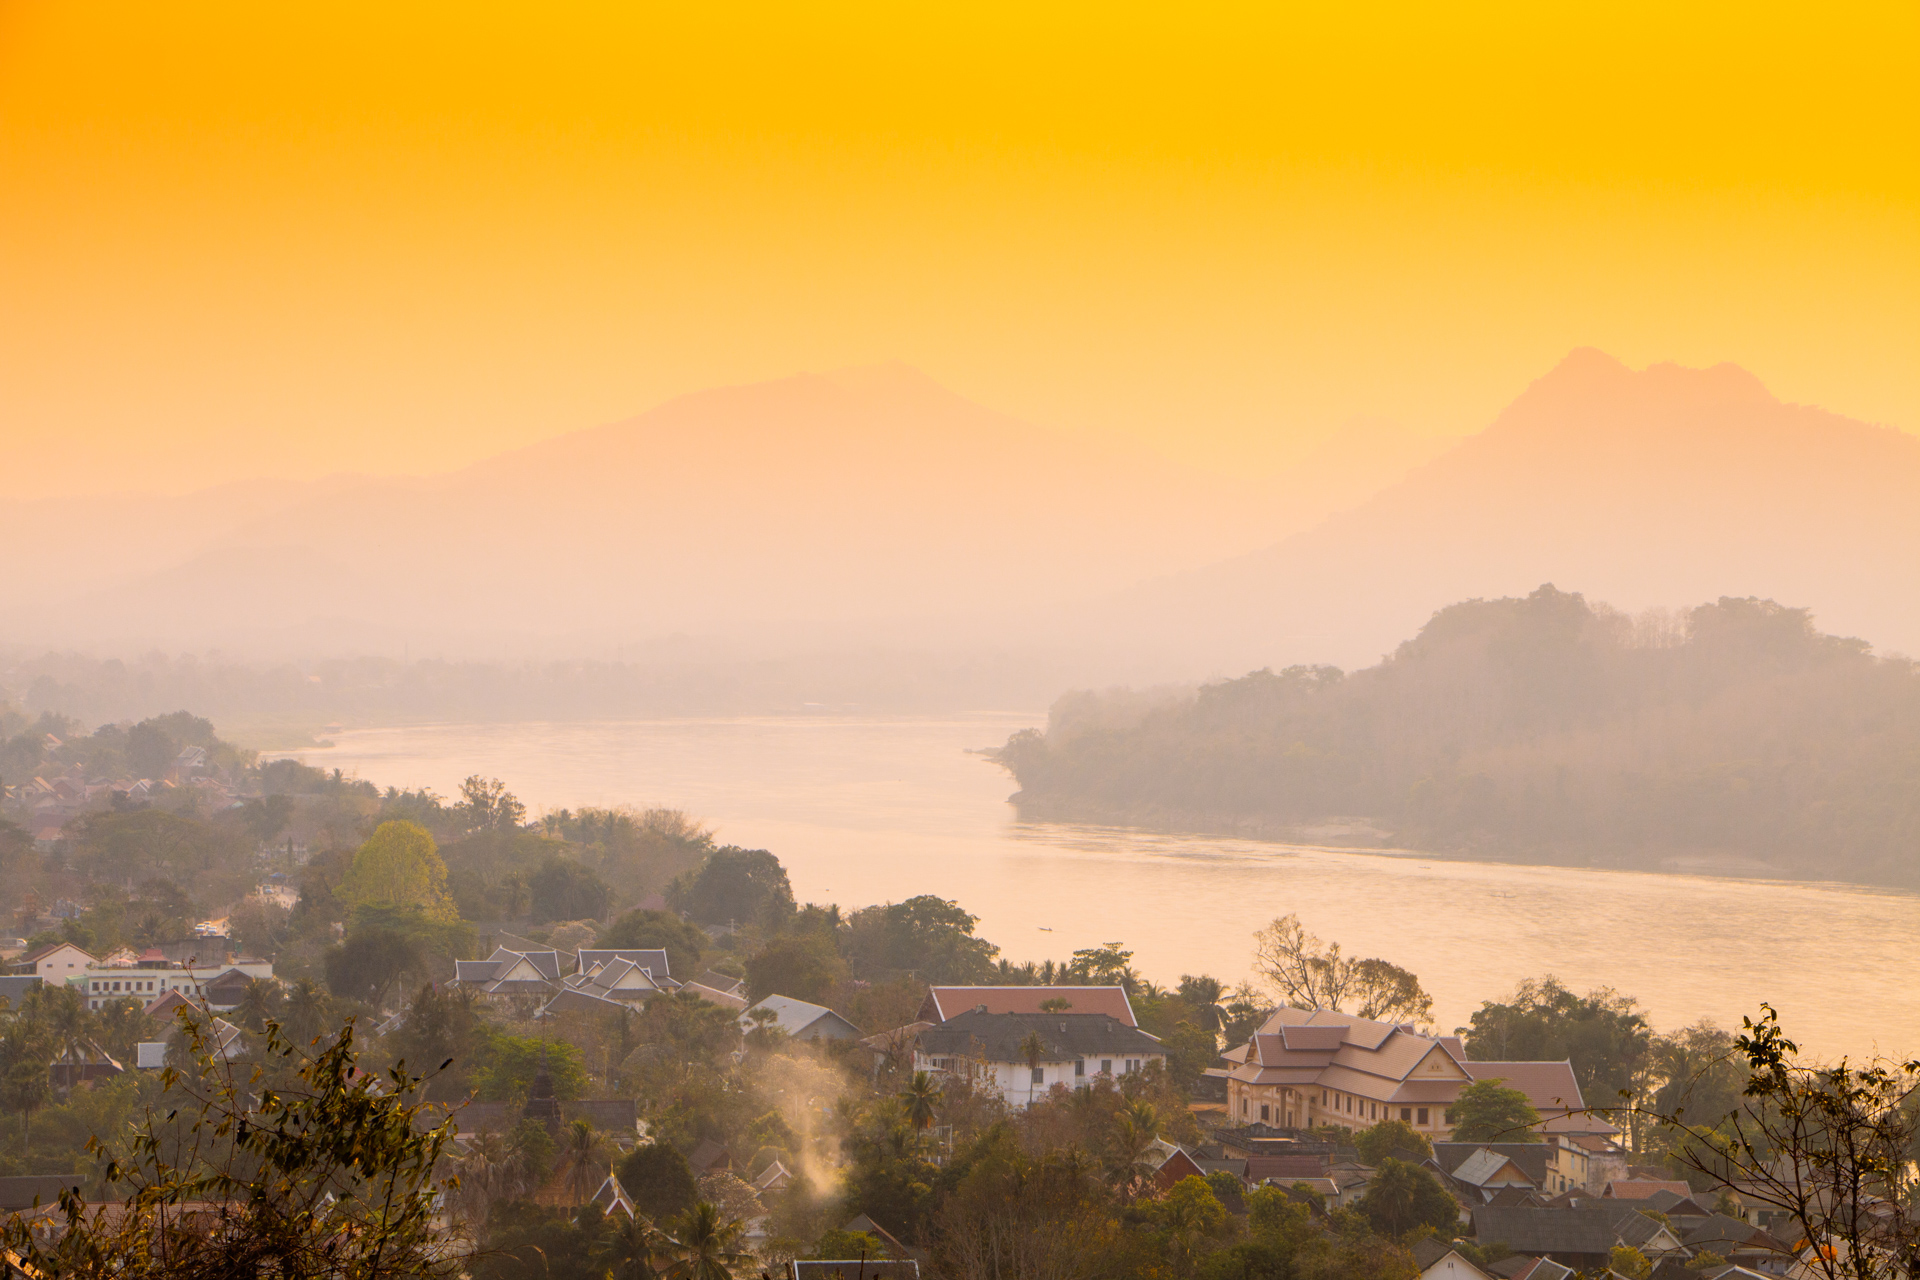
946, 1002
997, 1037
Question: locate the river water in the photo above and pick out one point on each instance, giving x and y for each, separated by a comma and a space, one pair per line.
865, 810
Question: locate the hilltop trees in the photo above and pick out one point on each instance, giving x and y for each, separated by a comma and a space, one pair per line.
1509, 725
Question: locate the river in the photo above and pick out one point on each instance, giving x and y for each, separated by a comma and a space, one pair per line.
865, 810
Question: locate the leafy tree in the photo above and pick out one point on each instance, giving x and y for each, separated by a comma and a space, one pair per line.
507, 1065
332, 1177
1379, 1141
400, 867
562, 889
1311, 974
1186, 1214
927, 936
371, 962
835, 1245
804, 966
659, 1180
1825, 1146
150, 750
734, 885
440, 1040
526, 1241
1625, 1260
1702, 1078
266, 816
1190, 1051
486, 805
1108, 965
662, 931
1011, 1213
1488, 1111
1403, 1197
1603, 1033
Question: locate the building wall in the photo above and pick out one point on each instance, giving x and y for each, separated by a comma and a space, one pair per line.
148, 985
1298, 1107
1015, 1081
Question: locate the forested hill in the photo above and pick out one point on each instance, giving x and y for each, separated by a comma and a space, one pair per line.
1546, 728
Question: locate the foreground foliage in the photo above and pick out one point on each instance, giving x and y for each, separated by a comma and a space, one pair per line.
294, 1168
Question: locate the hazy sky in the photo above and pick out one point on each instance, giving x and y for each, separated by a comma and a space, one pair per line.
291, 239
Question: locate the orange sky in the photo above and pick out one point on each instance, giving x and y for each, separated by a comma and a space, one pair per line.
242, 239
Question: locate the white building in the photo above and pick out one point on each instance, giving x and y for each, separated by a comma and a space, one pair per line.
1073, 1050
150, 978
56, 962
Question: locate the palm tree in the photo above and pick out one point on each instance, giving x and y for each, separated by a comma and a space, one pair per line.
1032, 1049
259, 1002
306, 1012
580, 1148
629, 1249
486, 1173
1127, 1148
25, 1047
705, 1245
921, 1095
69, 1024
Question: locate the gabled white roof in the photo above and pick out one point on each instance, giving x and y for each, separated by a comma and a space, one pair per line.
1485, 1166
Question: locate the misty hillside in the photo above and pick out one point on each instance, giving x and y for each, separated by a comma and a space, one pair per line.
868, 506
1542, 728
1657, 487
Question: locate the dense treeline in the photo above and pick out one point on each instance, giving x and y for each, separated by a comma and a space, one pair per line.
1543, 727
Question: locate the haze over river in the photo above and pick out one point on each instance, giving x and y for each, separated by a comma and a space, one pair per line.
865, 810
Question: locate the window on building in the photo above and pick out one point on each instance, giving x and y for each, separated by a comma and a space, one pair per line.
1423, 1116
1406, 1115
1263, 1111
1373, 1111
1244, 1106
1039, 1075
1080, 1067
1106, 1066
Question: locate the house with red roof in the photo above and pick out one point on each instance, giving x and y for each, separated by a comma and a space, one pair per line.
949, 1002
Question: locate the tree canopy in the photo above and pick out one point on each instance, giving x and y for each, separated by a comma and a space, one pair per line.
734, 885
400, 866
1310, 974
1603, 1033
928, 936
662, 931
1488, 1111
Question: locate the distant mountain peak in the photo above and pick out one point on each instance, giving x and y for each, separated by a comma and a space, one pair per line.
1590, 374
